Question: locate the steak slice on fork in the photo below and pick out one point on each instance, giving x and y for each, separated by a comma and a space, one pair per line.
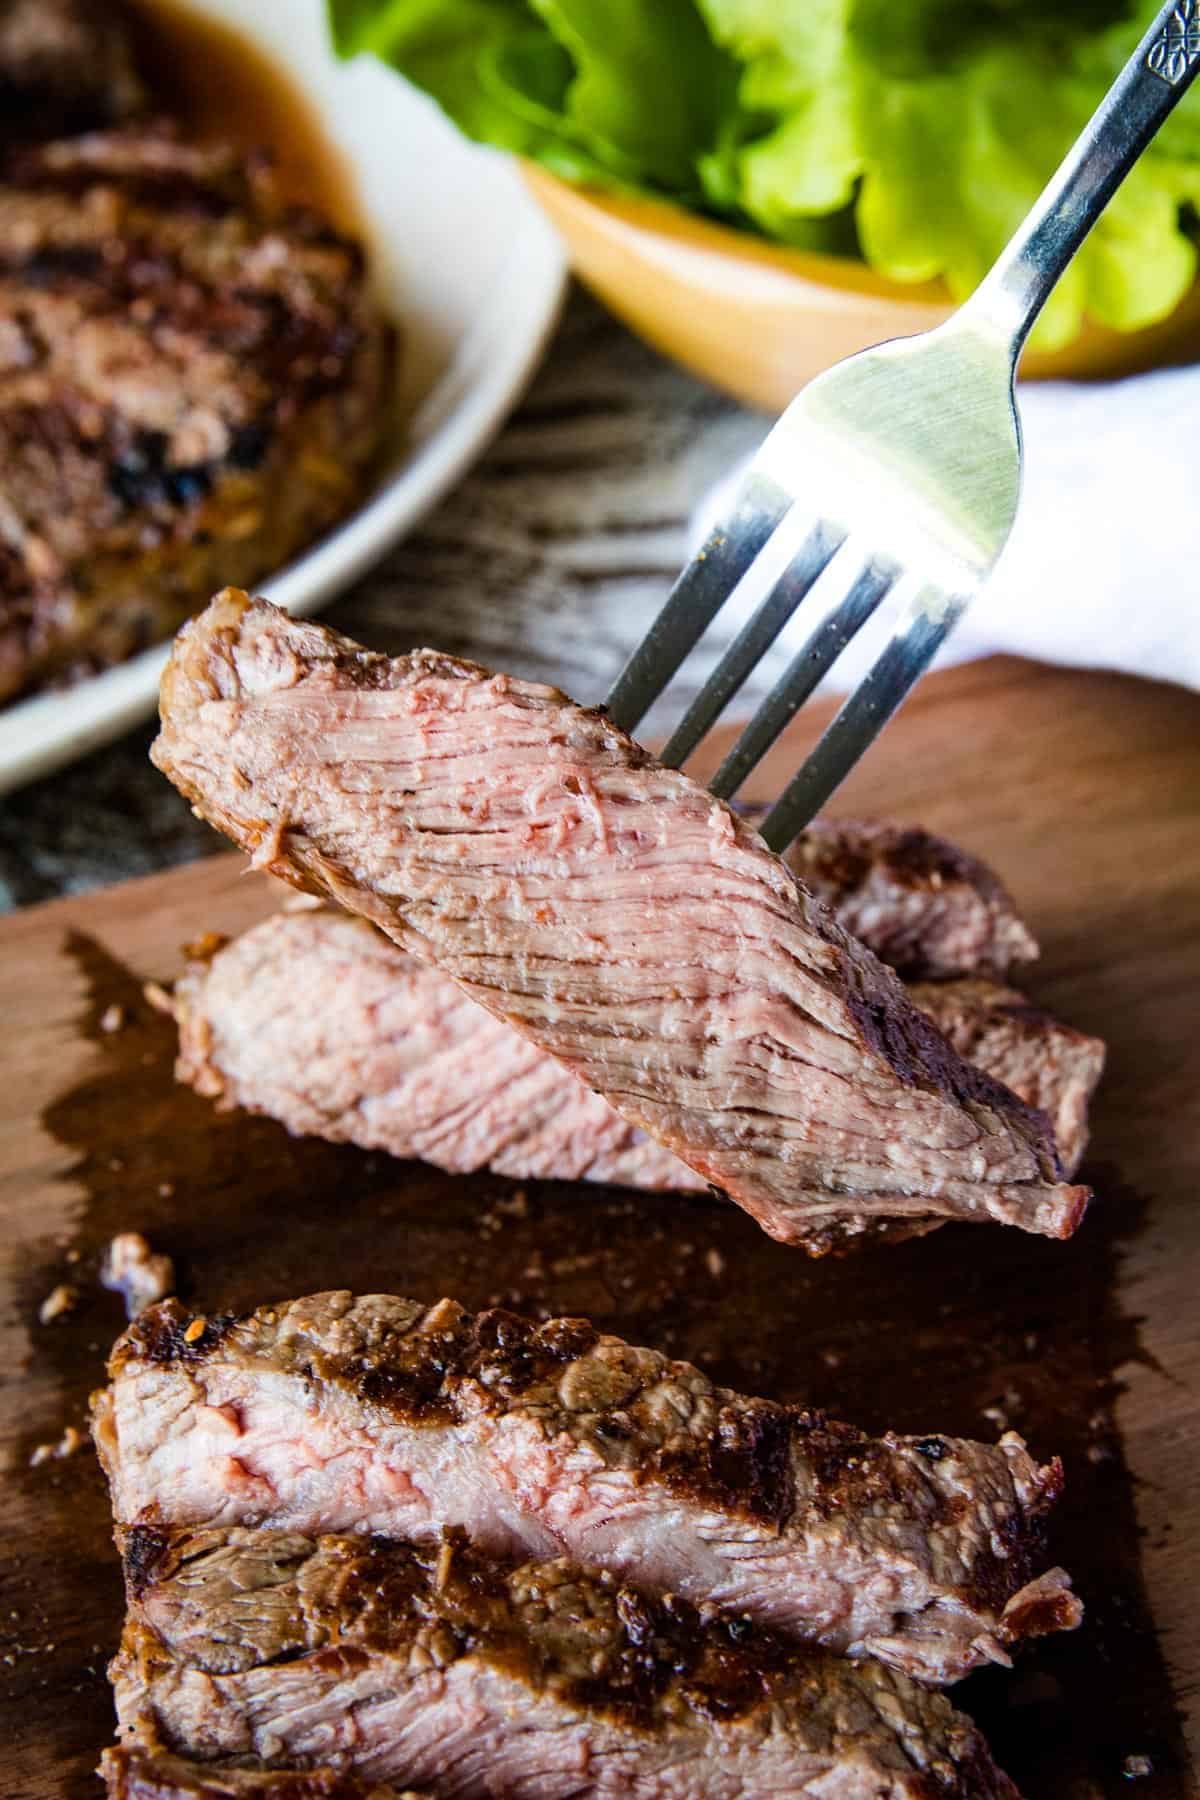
439, 1665
611, 911
378, 1415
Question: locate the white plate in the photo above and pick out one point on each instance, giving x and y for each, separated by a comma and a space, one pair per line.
462, 259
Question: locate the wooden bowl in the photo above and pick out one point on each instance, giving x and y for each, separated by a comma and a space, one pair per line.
759, 320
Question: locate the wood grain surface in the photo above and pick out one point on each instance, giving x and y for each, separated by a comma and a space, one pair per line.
1085, 791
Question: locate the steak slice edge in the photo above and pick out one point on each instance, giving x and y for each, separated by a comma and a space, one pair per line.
439, 1665
136, 1773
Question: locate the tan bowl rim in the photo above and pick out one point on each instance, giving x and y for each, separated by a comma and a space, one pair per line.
654, 217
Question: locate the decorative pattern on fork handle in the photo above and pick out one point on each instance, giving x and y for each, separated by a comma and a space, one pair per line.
1179, 46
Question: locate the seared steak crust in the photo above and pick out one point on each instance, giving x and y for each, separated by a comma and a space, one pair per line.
138, 1774
610, 910
377, 1414
440, 1665
924, 906
192, 382
318, 1020
1047, 1064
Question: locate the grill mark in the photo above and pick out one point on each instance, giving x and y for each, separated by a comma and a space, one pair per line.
144, 1550
746, 1466
167, 1333
371, 1599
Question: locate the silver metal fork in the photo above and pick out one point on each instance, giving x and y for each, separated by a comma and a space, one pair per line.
904, 464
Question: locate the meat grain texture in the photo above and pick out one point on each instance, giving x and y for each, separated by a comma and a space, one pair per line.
318, 1020
193, 382
479, 1677
137, 1773
1050, 1065
337, 1414
611, 911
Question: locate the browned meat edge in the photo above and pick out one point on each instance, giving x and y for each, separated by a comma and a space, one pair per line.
139, 1774
1049, 1065
439, 1665
773, 1054
382, 1415
926, 907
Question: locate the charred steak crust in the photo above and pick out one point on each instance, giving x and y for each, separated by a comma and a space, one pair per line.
193, 381
926, 1552
841, 1109
141, 1774
253, 1636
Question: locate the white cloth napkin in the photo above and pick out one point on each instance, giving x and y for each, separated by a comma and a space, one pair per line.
1103, 570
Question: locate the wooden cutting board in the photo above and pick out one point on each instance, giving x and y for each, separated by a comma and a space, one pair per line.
1085, 791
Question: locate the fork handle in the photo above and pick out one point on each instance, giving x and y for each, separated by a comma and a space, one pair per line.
1144, 95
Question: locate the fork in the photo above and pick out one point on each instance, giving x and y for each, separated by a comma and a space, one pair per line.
897, 472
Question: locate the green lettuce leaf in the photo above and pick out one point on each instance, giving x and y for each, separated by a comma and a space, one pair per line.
611, 88
943, 120
916, 133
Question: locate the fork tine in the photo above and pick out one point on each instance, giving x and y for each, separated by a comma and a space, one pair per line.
754, 639
807, 668
925, 622
726, 555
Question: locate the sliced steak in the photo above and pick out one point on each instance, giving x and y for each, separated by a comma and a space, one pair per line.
375, 1414
318, 1020
192, 384
442, 1666
65, 65
613, 912
1049, 1065
135, 1774
927, 908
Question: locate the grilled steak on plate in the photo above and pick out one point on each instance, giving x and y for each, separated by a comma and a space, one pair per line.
439, 1665
192, 383
318, 1020
611, 910
376, 1414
